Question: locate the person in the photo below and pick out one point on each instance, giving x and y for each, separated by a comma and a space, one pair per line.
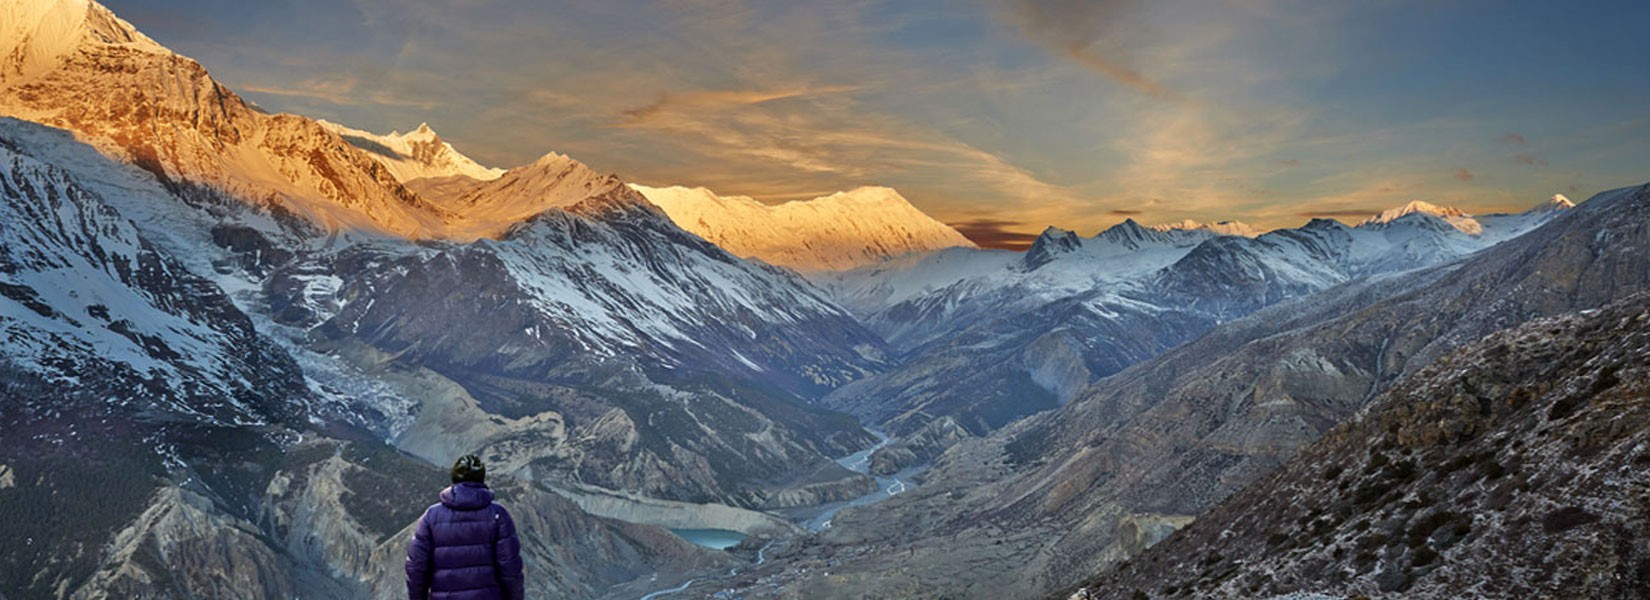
465, 547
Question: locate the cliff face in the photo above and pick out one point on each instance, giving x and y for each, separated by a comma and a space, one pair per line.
1511, 468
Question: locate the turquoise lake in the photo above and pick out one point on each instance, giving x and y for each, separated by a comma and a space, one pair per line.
719, 539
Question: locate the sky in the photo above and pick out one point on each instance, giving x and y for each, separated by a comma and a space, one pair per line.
1000, 117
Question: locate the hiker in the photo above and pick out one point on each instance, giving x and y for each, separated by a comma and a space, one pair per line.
465, 547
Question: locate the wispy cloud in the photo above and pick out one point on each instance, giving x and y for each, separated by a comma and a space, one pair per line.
1087, 32
1463, 174
338, 92
1513, 139
1529, 159
712, 100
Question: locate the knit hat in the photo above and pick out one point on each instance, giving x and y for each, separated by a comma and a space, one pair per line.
469, 468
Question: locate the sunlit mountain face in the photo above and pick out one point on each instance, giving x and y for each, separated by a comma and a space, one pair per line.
1016, 299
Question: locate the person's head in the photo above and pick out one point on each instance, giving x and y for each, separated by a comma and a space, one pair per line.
469, 468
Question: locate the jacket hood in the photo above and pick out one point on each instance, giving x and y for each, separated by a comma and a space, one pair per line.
467, 495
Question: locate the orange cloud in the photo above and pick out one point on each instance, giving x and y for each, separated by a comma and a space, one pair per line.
994, 233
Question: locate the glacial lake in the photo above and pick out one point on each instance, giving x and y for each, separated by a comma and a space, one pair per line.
717, 539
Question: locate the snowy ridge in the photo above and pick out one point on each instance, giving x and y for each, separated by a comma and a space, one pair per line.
1238, 228
841, 231
418, 154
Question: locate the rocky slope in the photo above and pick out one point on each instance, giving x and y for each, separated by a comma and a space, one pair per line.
90, 303
1512, 468
1064, 494
841, 231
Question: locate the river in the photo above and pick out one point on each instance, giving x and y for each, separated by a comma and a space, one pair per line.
860, 462
761, 557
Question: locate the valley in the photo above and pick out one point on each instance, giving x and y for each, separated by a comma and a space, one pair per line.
239, 350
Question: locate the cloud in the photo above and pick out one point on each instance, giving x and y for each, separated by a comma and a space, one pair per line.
1529, 158
1087, 32
1288, 162
1121, 212
994, 233
1512, 139
713, 100
1463, 174
334, 90
344, 90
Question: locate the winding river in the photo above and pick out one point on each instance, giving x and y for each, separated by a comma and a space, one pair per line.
860, 462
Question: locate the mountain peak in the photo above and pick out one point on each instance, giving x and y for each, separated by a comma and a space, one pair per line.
1052, 243
1455, 217
840, 231
1055, 233
418, 154
36, 34
1559, 202
1415, 206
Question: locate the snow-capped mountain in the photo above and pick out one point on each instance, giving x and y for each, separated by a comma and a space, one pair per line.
1075, 309
618, 350
1449, 214
550, 315
135, 99
599, 278
841, 231
554, 181
417, 154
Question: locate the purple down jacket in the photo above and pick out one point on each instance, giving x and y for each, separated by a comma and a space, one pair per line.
465, 548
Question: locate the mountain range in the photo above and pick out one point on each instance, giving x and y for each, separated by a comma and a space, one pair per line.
1061, 496
237, 349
